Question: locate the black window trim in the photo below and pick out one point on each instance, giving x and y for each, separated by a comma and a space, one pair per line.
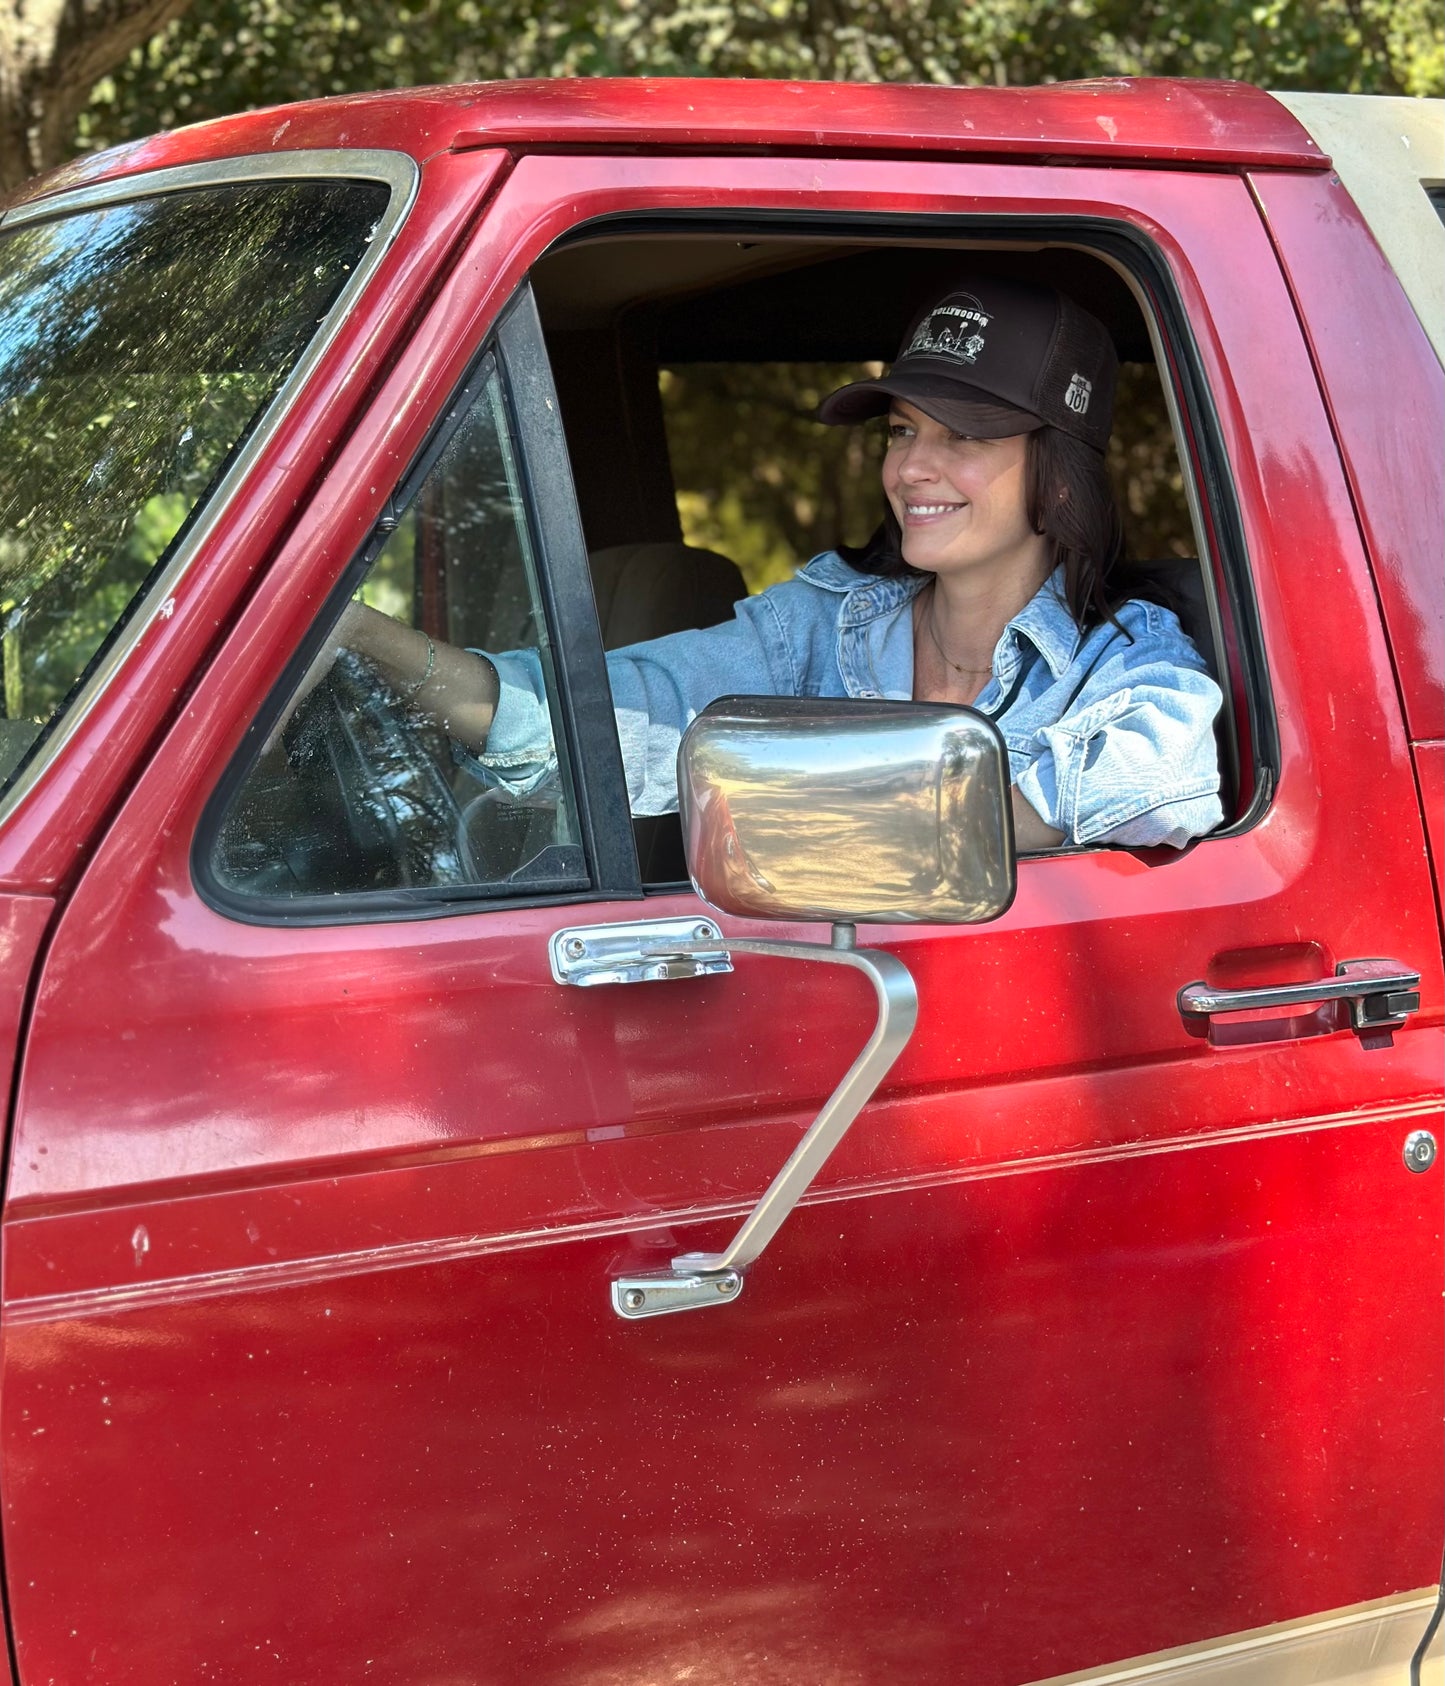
565, 580
515, 350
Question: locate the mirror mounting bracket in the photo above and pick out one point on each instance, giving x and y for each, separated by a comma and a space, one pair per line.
703, 1279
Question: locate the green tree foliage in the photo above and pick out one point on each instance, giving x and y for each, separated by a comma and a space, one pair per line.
757, 479
52, 52
227, 55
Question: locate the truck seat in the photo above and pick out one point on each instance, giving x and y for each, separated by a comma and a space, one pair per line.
1183, 581
645, 590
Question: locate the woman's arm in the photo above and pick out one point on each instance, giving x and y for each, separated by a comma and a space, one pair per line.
1134, 760
1030, 832
458, 687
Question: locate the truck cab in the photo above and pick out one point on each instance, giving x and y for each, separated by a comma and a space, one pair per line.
1105, 1345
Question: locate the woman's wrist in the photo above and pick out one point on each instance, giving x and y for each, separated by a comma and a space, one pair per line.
354, 625
458, 687
406, 654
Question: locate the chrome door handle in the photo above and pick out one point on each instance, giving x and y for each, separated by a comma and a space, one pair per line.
1381, 993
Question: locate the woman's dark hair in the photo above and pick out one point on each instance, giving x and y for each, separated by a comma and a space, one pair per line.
1071, 503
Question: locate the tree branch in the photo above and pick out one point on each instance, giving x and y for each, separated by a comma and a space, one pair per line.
52, 53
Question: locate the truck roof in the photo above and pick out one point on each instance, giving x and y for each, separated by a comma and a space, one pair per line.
1145, 120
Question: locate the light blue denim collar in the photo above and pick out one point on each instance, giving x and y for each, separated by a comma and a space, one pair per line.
1048, 625
1044, 620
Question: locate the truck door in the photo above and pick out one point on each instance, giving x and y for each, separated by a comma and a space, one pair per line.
1105, 1332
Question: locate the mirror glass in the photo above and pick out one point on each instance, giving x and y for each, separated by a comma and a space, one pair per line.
850, 811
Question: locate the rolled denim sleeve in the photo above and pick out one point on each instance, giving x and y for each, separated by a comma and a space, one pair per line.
1135, 760
657, 689
660, 686
520, 755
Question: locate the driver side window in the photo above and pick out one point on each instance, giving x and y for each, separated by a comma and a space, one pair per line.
358, 790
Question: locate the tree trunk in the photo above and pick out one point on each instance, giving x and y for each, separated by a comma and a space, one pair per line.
52, 53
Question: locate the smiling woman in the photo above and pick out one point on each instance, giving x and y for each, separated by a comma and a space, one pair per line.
993, 581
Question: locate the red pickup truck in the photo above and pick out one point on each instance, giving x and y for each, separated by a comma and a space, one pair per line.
1106, 1344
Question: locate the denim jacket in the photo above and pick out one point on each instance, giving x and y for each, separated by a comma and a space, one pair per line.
1110, 736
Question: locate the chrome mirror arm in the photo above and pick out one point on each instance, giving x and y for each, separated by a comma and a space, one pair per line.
839, 809
699, 1279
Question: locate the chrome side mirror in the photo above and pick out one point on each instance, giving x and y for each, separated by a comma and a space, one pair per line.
846, 811
855, 812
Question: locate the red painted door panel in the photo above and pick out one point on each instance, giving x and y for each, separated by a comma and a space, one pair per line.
23, 922
1091, 1340
886, 1466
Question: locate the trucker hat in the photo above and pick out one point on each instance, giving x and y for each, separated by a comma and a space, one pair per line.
992, 357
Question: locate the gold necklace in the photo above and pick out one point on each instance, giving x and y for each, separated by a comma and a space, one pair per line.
971, 672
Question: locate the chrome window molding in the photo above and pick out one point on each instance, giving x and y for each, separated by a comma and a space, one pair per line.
396, 171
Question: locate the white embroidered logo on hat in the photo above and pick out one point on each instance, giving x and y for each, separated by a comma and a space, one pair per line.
1078, 395
954, 330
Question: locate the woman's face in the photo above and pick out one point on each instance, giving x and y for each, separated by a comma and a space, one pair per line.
961, 502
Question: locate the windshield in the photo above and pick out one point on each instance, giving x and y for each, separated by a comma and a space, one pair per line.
139, 345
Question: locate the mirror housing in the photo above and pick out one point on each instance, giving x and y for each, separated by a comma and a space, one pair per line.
858, 812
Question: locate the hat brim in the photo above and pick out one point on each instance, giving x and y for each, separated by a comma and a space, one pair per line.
962, 408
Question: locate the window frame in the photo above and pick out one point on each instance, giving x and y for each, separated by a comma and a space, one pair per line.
518, 342
1209, 487
515, 353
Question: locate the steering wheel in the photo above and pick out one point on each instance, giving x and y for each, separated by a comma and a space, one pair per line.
385, 769
356, 796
